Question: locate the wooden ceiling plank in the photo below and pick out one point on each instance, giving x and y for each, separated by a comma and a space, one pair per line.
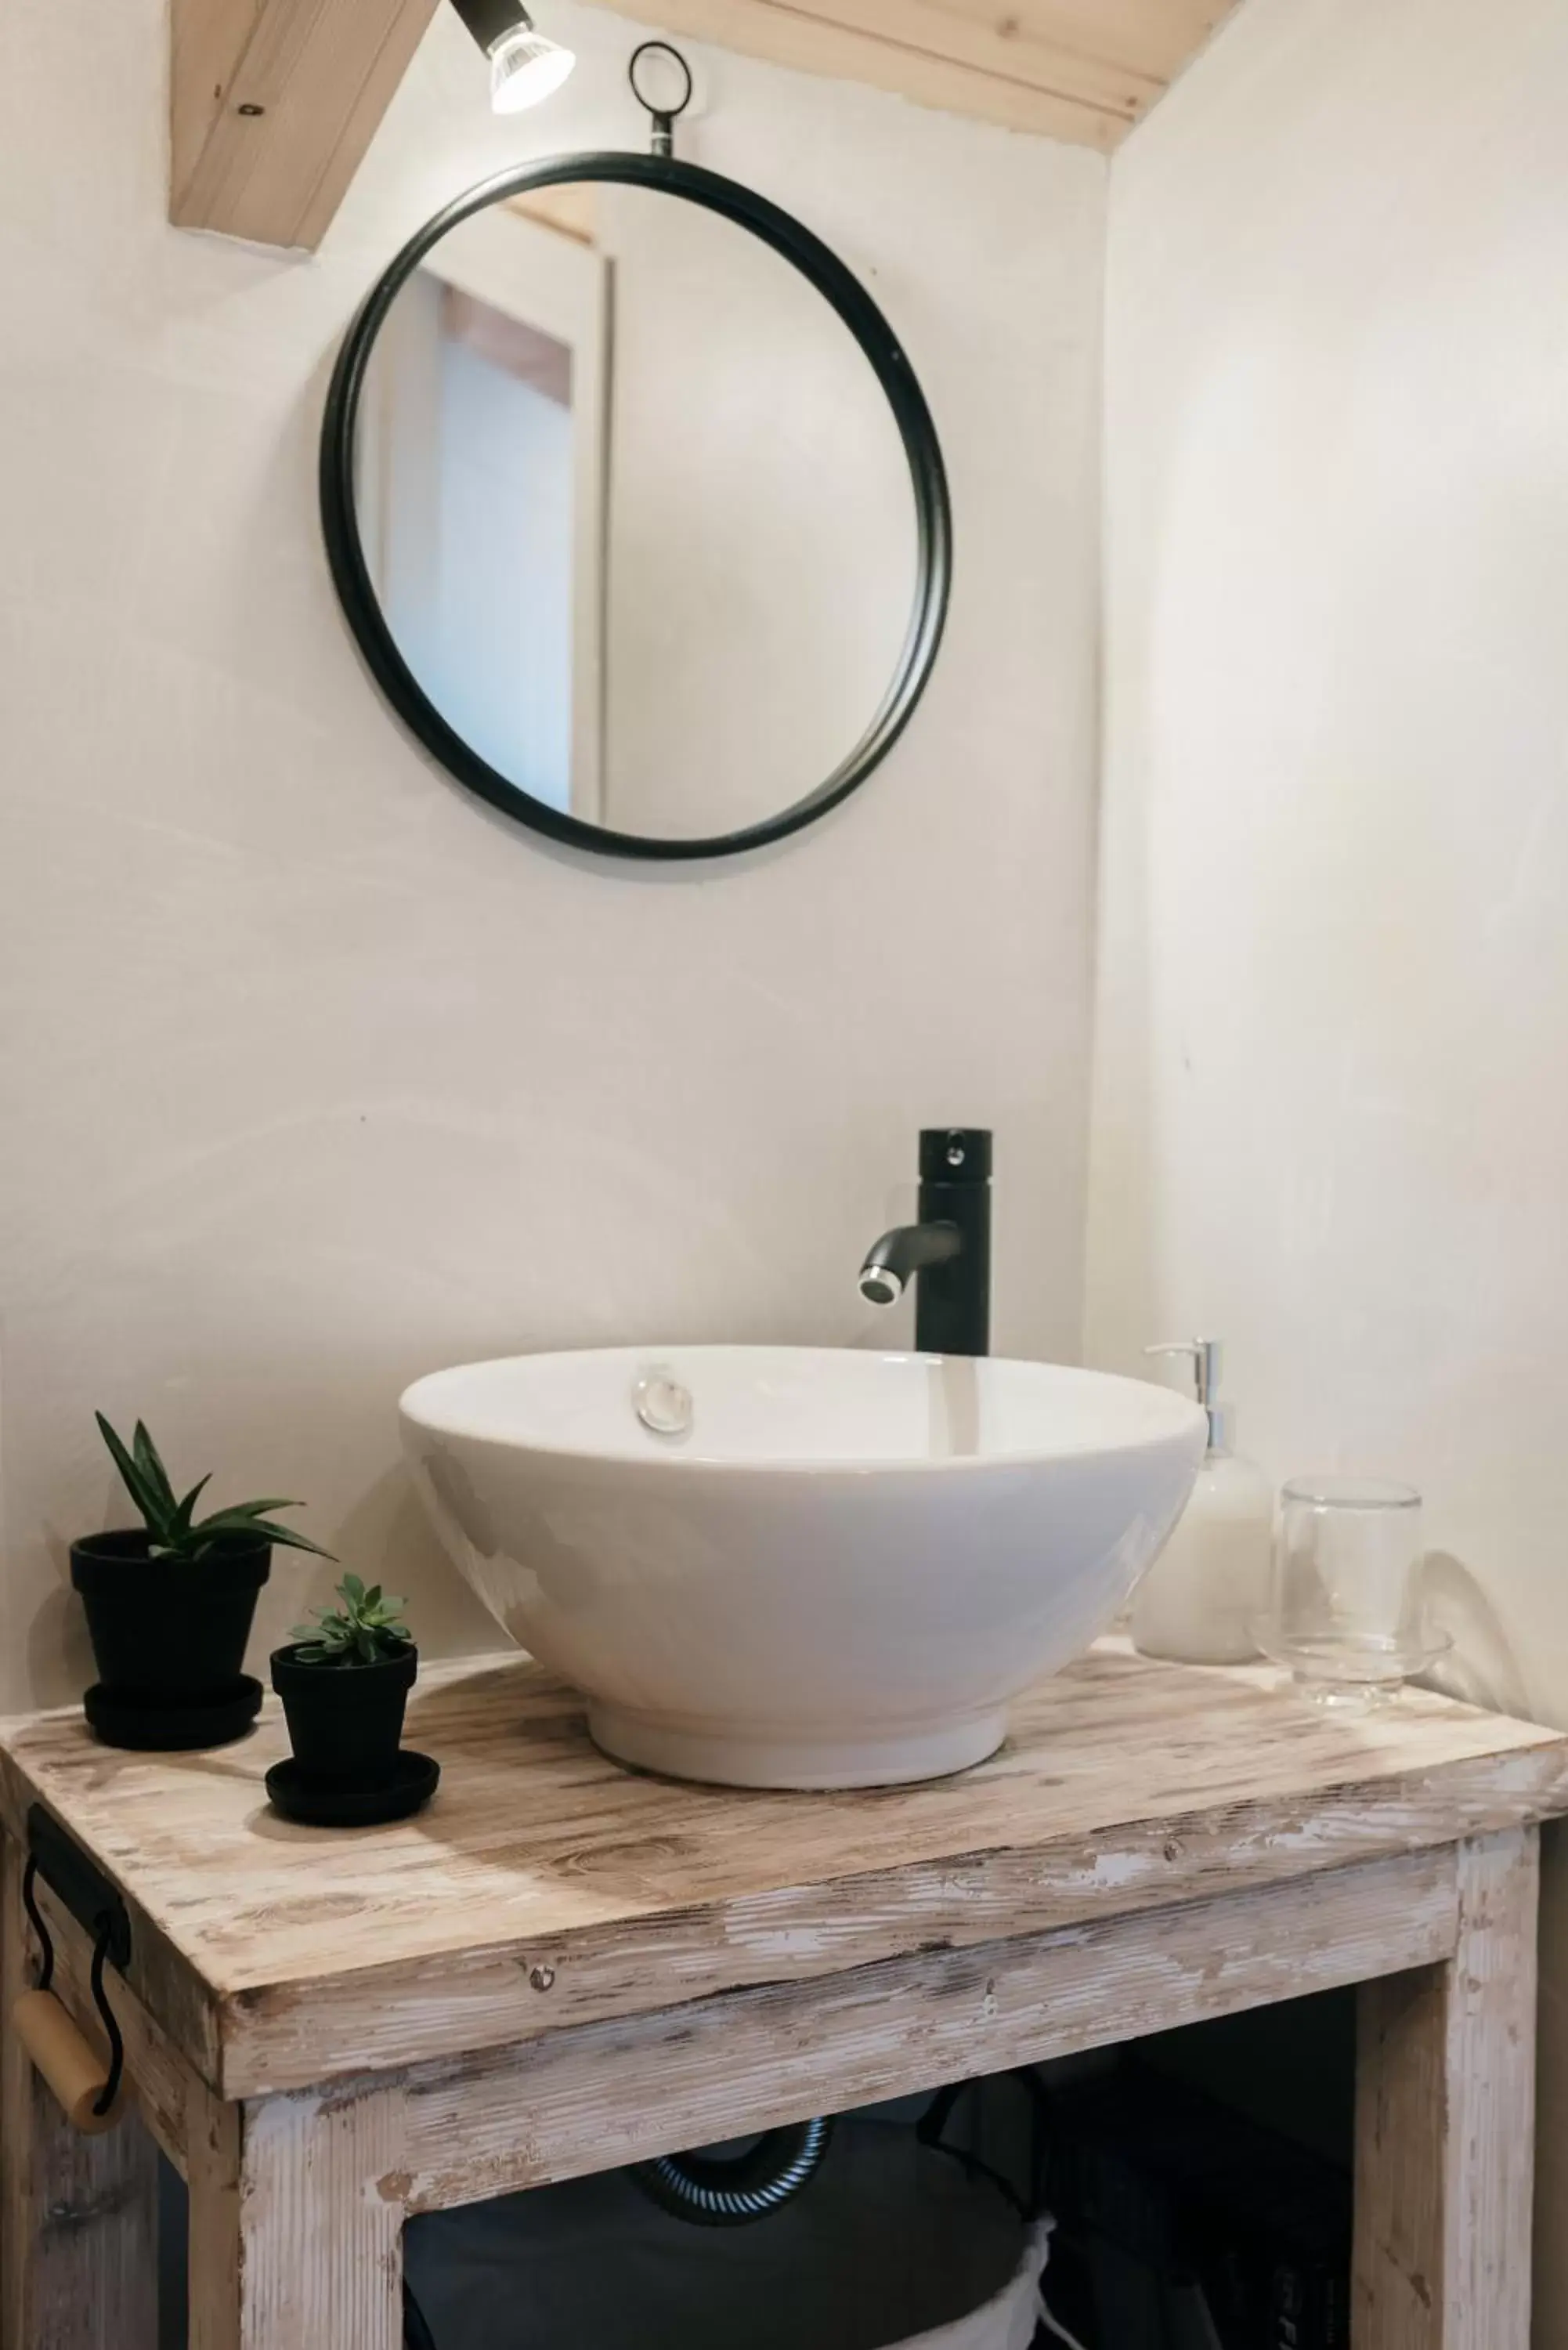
994, 37
788, 36
322, 73
1153, 38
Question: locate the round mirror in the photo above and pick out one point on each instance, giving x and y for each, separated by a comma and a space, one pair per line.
636, 508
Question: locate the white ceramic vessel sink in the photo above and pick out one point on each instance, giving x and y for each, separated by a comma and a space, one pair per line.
786, 1567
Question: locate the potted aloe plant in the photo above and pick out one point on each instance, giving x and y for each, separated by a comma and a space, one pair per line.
170, 1604
343, 1680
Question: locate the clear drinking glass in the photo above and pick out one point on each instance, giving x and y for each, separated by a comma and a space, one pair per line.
1347, 1615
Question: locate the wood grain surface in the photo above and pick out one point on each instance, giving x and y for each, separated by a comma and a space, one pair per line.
616, 2093
545, 1887
1446, 2125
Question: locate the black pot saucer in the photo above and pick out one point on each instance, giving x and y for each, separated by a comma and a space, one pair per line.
412, 1783
171, 1725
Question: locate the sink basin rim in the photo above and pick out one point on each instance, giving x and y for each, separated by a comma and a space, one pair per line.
1172, 1417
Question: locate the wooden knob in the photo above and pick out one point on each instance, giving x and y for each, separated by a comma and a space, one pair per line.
75, 2070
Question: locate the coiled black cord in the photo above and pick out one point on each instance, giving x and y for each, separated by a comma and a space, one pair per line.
713, 2192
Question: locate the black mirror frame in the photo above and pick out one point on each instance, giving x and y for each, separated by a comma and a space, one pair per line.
838, 286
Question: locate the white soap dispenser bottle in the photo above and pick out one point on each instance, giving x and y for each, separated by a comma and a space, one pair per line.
1199, 1601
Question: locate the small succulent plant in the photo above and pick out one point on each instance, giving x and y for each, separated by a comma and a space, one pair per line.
174, 1529
366, 1629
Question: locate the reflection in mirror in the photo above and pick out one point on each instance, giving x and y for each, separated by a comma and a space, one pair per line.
635, 509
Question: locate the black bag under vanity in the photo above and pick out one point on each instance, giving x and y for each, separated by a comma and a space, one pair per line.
897, 2239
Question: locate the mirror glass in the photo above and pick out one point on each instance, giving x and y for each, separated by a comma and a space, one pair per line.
635, 508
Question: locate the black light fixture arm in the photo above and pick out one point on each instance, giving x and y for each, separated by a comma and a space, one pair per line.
491, 20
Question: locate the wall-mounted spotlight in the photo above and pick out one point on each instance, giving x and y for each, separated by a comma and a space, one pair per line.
524, 66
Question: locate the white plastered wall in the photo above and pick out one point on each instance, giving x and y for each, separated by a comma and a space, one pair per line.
314, 1074
1331, 1120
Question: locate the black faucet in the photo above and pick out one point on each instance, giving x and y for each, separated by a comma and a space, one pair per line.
949, 1250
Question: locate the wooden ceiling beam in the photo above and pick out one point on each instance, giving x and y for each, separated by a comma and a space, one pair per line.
273, 104
990, 62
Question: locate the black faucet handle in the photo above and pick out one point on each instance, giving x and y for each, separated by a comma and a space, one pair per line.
955, 1154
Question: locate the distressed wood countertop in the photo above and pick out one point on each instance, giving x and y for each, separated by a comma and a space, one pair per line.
545, 1887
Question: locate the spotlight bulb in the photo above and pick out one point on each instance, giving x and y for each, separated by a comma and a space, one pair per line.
525, 68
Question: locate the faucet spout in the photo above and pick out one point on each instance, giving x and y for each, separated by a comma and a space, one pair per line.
899, 1254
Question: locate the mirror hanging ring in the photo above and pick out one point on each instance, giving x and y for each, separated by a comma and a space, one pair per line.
661, 117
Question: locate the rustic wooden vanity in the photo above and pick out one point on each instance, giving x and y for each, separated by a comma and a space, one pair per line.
559, 1967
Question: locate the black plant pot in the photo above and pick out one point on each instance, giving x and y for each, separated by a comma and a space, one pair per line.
344, 1721
168, 1632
